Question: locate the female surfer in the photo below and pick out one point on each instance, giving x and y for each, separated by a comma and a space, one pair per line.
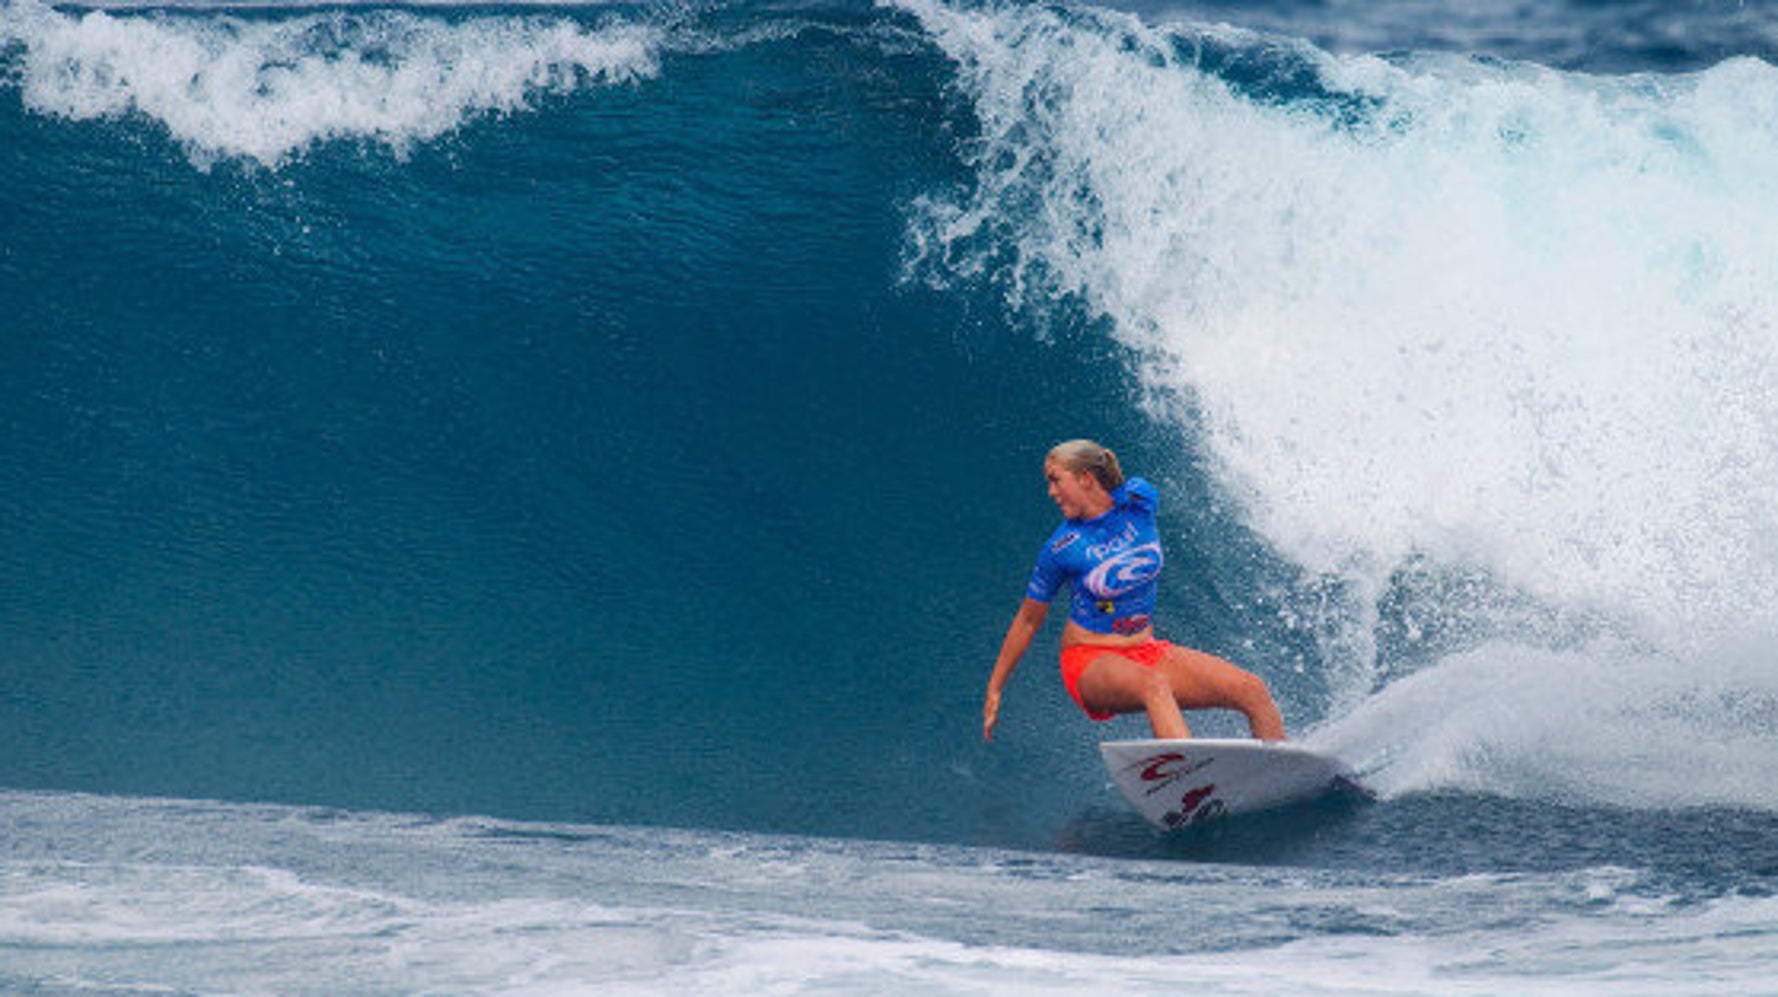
1108, 552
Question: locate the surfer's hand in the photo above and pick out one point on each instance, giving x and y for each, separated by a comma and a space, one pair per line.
990, 715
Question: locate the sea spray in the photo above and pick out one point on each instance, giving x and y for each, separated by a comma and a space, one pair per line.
1431, 317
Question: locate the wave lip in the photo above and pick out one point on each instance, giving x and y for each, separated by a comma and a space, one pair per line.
266, 89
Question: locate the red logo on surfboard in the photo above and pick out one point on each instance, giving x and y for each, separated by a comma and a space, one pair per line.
1197, 806
1165, 769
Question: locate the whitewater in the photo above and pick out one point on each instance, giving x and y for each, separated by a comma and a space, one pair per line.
524, 498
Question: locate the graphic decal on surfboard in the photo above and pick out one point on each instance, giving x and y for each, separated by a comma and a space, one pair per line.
1180, 783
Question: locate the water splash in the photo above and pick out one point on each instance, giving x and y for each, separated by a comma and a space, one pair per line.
1435, 322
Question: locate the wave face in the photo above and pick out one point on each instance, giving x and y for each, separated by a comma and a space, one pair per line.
566, 444
632, 414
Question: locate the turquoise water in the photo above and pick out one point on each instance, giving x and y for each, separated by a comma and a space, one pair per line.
597, 447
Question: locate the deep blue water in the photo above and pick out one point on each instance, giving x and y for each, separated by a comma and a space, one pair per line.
627, 416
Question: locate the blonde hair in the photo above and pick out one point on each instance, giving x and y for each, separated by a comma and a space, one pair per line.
1087, 457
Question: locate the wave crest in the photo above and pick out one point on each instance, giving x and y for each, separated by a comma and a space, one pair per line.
268, 88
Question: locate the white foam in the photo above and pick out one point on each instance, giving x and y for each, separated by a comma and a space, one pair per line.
268, 88
102, 894
1491, 318
1606, 722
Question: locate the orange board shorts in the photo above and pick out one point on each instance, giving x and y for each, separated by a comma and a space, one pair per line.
1076, 659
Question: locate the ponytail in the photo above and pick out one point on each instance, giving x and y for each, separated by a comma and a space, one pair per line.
1087, 457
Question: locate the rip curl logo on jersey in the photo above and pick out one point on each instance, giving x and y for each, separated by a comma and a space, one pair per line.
1064, 542
1130, 570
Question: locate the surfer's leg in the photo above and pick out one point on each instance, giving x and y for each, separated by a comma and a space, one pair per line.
1115, 684
1204, 681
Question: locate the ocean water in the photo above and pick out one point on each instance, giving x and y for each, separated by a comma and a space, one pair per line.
525, 498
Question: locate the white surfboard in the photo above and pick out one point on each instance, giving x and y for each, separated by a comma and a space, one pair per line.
1197, 780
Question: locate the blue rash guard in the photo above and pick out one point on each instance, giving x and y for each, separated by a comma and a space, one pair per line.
1112, 563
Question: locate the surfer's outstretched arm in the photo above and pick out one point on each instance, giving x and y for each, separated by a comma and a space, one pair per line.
1018, 637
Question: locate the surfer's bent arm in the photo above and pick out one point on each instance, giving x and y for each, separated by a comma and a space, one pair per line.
1018, 637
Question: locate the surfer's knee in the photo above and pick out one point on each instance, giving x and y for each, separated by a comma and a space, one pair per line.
1249, 691
1253, 698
